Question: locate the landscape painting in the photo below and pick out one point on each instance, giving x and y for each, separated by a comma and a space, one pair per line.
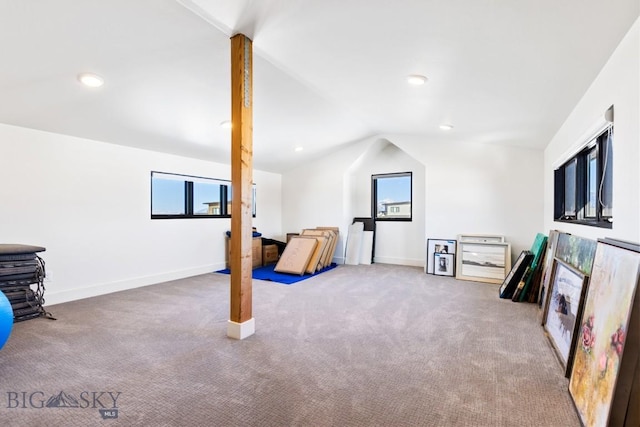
576, 251
603, 330
487, 262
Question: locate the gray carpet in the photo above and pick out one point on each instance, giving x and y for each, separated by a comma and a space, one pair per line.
371, 345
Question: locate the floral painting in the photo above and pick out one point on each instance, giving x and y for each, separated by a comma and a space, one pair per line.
602, 332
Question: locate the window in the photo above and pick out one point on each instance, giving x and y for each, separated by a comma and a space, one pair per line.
167, 196
184, 196
570, 188
583, 184
391, 196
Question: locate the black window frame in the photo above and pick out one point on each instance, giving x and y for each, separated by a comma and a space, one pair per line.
374, 196
189, 208
600, 148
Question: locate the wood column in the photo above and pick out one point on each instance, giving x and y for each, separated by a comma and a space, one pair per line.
241, 183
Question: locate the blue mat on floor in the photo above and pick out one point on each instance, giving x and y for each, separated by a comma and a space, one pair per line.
267, 273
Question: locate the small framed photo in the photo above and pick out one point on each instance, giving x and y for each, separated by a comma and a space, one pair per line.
440, 246
443, 264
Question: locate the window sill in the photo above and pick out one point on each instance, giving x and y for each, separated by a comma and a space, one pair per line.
599, 224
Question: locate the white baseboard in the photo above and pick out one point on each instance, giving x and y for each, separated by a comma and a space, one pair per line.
399, 261
52, 298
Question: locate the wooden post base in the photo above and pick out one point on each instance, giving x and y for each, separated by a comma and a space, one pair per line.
240, 331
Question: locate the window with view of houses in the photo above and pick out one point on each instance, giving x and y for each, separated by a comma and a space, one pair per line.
186, 196
391, 196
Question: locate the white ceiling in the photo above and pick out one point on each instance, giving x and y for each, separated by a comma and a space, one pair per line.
326, 72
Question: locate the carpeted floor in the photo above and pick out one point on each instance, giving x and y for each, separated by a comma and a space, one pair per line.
373, 345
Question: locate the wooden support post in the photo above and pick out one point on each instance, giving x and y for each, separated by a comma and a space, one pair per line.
241, 323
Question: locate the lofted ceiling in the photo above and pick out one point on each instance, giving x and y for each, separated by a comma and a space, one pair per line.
326, 72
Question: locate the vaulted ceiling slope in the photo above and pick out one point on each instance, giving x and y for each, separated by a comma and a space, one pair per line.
326, 72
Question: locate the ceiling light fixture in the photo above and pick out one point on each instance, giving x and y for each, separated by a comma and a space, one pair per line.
226, 124
416, 79
446, 127
90, 79
298, 149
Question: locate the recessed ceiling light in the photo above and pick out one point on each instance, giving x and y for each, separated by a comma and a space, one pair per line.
416, 79
226, 124
446, 127
90, 79
298, 149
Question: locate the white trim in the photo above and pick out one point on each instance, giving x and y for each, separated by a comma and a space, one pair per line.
400, 261
168, 176
240, 331
601, 125
66, 295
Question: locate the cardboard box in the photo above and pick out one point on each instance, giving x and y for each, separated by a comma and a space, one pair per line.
269, 254
256, 251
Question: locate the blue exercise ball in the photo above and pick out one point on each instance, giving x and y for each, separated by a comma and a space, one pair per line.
6, 319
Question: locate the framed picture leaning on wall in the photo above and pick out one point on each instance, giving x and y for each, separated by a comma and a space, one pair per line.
444, 264
483, 261
514, 276
482, 238
608, 342
567, 290
552, 242
440, 246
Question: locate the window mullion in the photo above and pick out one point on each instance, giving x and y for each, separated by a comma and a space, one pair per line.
188, 197
581, 186
599, 177
224, 200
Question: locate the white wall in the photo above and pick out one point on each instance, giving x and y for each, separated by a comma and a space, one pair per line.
396, 241
88, 203
617, 84
473, 188
317, 193
467, 188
